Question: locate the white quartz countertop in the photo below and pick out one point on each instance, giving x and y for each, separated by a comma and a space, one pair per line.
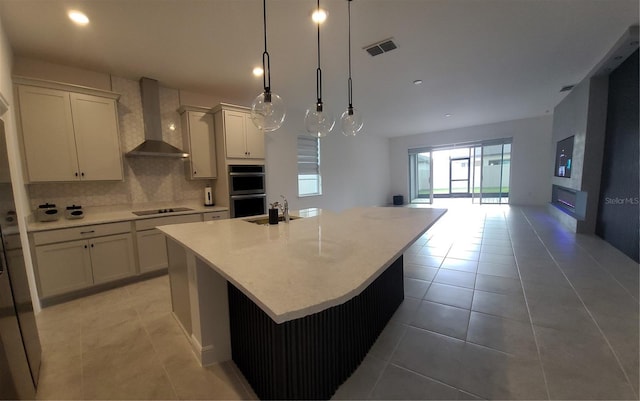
113, 214
297, 269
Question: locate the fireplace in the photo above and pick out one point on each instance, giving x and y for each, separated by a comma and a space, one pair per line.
570, 201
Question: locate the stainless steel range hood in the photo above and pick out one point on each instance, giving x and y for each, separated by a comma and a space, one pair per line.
153, 145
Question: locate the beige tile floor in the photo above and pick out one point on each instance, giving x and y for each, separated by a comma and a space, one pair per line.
500, 303
125, 344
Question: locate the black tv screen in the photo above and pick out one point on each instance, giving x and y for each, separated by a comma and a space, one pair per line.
564, 157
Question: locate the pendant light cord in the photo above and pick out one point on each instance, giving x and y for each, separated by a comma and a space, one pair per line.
319, 71
266, 64
349, 82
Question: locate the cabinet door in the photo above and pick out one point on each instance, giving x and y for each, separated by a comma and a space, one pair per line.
202, 145
234, 134
112, 257
63, 267
152, 250
95, 124
254, 139
47, 131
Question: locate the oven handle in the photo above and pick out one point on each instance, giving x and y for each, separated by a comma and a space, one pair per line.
248, 196
232, 174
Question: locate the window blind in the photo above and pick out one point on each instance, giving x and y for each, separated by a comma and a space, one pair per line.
308, 155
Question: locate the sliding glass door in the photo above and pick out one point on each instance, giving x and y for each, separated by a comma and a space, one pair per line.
495, 173
421, 178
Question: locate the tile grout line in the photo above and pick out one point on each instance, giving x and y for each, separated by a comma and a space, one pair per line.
434, 379
155, 351
615, 355
526, 302
406, 326
388, 362
82, 386
608, 272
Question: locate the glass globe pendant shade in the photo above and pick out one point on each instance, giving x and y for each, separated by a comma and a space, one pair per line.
318, 122
268, 111
351, 122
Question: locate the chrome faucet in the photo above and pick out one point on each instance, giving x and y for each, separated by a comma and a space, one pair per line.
285, 209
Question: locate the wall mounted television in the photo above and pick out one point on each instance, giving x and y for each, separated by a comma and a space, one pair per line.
564, 157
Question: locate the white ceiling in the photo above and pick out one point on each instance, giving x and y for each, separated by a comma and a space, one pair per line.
481, 61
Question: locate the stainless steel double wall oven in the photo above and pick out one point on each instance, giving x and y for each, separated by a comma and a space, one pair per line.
247, 190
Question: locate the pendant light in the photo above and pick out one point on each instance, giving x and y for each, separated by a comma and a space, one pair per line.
267, 110
317, 120
351, 120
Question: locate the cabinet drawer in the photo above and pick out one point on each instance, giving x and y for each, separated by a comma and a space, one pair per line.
83, 232
147, 224
224, 214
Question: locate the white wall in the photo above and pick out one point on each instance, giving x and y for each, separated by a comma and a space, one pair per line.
355, 170
15, 164
531, 163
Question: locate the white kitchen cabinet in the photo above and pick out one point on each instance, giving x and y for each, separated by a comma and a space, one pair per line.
95, 123
199, 141
152, 250
63, 267
75, 258
69, 136
151, 243
242, 139
112, 258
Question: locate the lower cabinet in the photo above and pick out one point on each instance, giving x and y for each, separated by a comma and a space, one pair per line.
152, 246
112, 258
71, 259
63, 267
152, 250
74, 265
75, 258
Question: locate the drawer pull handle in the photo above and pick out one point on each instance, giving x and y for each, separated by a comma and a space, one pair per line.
87, 232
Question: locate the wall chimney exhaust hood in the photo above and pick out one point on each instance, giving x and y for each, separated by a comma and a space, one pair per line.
153, 145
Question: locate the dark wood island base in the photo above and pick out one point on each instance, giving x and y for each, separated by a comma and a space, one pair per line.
310, 357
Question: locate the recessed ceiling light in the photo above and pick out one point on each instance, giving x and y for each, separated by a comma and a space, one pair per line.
78, 17
448, 115
319, 16
417, 82
258, 71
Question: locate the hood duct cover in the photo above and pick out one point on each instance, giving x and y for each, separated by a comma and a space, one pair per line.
153, 144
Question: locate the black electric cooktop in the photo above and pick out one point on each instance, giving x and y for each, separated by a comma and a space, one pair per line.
161, 211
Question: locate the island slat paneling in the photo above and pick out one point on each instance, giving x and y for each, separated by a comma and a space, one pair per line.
310, 357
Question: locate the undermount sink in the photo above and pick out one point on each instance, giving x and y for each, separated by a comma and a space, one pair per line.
264, 221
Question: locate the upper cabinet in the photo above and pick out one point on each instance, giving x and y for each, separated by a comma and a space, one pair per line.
199, 141
242, 139
68, 135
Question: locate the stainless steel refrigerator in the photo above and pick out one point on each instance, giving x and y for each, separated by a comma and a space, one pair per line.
20, 351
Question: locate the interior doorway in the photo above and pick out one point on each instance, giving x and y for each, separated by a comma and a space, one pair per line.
479, 172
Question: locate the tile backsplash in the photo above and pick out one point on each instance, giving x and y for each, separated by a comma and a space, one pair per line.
146, 179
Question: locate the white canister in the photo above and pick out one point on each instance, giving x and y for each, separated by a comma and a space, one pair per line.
208, 197
47, 212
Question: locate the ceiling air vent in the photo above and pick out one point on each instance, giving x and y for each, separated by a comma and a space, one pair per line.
381, 47
566, 88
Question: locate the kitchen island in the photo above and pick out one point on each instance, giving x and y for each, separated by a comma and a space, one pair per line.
296, 306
